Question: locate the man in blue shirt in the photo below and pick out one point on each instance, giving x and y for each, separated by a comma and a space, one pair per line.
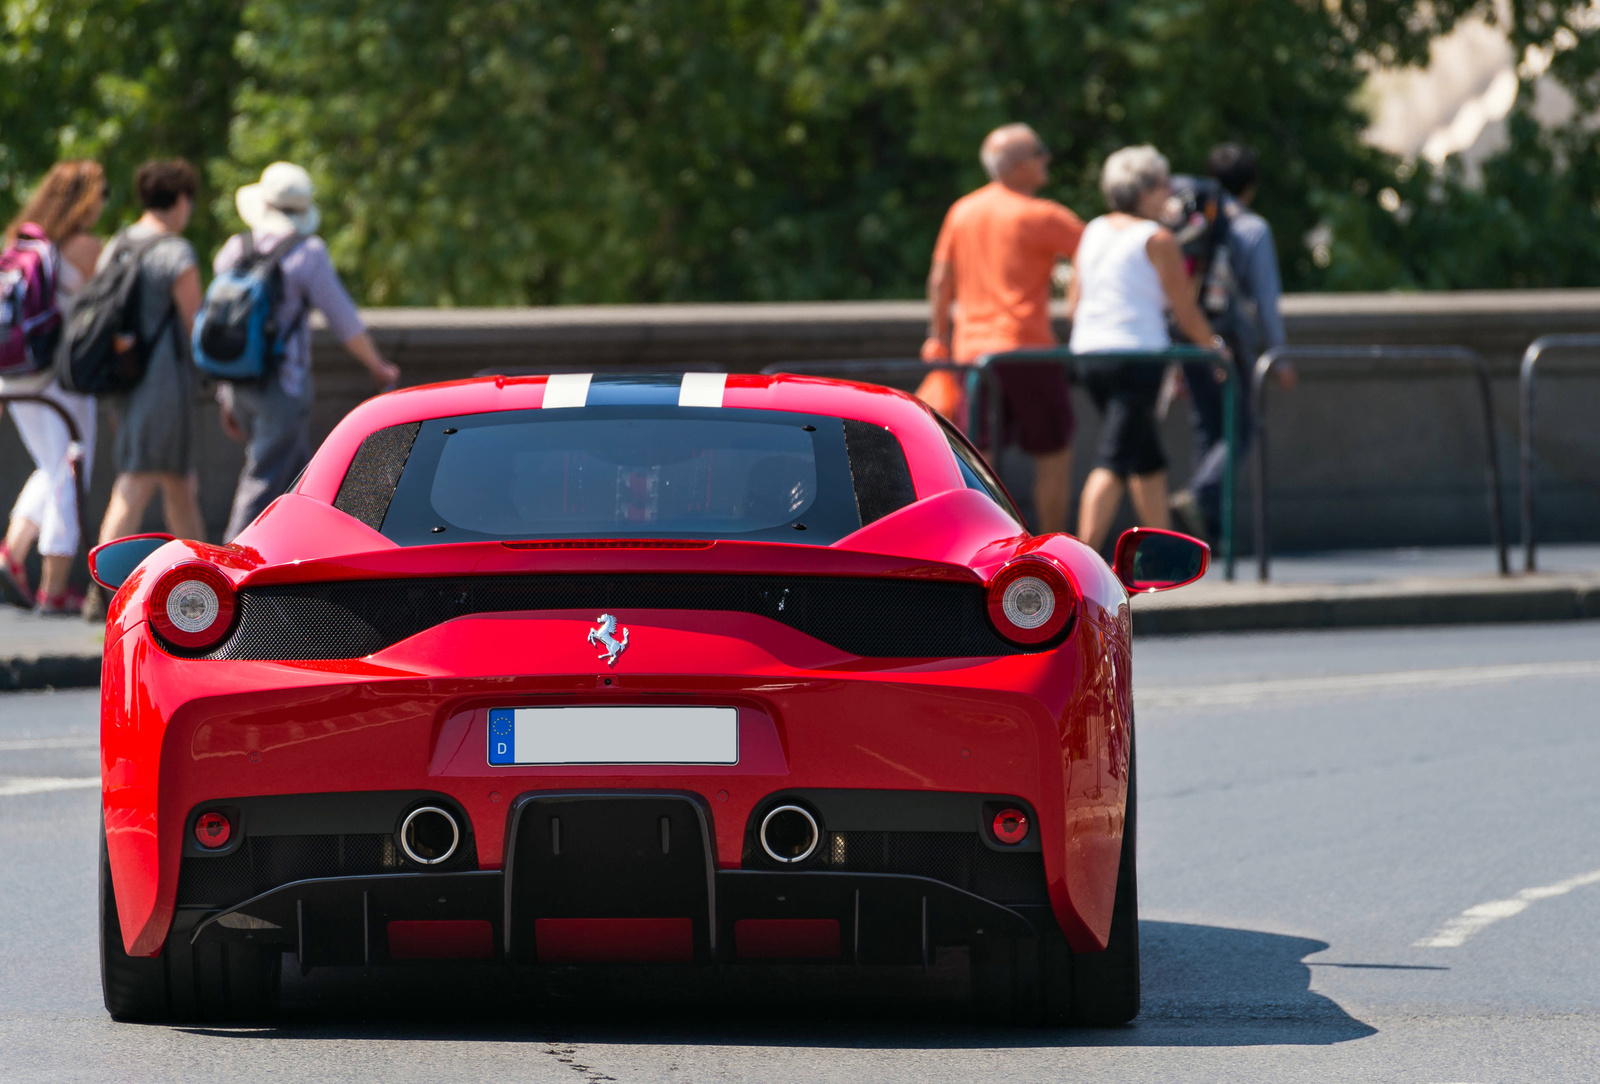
1240, 297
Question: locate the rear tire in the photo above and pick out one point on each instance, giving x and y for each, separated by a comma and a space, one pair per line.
1025, 982
1104, 985
220, 982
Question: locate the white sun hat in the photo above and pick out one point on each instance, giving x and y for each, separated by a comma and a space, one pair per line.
280, 202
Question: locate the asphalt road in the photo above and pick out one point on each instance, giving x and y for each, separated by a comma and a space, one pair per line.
1365, 855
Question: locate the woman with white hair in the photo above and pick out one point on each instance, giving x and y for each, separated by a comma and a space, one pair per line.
1129, 280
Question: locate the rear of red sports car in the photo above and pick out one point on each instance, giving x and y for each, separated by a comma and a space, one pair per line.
572, 670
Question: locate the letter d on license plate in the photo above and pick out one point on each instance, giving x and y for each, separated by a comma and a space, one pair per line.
614, 735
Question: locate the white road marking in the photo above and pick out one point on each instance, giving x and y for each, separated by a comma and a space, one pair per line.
702, 389
1454, 934
24, 744
14, 788
1246, 692
566, 390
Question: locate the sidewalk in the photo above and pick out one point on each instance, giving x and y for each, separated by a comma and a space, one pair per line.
1381, 587
1332, 590
43, 652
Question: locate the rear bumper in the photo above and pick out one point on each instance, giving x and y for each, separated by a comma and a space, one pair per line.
614, 876
1050, 729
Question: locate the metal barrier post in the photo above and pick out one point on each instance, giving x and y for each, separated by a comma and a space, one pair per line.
1453, 357
1525, 413
80, 481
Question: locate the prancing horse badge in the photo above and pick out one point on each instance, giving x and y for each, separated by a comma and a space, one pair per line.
606, 636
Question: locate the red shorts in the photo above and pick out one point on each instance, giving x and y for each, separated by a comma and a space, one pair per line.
1036, 407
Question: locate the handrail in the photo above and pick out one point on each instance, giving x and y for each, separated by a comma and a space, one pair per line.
1525, 383
74, 452
1454, 357
981, 371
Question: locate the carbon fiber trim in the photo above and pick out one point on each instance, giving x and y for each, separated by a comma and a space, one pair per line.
882, 618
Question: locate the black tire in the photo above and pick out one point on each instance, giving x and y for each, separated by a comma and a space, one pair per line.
219, 982
1027, 982
1104, 985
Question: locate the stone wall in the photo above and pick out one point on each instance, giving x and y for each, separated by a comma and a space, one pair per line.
1370, 460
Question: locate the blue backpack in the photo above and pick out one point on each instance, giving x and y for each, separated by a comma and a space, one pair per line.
236, 334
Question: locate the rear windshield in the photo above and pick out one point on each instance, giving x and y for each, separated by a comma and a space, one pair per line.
637, 472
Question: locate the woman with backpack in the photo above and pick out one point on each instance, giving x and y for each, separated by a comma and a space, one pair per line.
154, 447
62, 210
1129, 280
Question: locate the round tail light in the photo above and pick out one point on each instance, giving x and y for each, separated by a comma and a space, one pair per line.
1030, 600
1010, 826
212, 830
192, 605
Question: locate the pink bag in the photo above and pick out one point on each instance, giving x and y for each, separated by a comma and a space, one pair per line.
30, 323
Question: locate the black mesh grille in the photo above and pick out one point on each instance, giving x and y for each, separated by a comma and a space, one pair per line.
956, 858
263, 863
869, 617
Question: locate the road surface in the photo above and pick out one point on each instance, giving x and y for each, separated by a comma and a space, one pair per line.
1364, 855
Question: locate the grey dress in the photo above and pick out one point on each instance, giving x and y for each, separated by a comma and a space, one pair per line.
155, 421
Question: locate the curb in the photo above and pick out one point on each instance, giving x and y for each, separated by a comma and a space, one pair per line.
50, 672
1363, 607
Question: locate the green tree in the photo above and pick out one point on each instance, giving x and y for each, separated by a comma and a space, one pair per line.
119, 81
541, 151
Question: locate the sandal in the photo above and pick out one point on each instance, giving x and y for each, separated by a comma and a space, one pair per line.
68, 603
14, 580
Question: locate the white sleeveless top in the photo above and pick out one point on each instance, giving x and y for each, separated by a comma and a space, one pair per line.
1121, 305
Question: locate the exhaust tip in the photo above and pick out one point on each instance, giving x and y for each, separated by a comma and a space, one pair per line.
429, 835
789, 834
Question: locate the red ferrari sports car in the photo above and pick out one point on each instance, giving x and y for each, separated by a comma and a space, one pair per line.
577, 670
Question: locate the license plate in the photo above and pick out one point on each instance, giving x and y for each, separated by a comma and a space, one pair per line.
614, 735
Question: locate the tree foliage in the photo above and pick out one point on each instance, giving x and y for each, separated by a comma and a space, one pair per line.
517, 151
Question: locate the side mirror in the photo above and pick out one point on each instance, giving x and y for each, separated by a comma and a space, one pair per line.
1149, 559
113, 562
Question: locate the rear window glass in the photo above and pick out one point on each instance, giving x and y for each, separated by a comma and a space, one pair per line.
627, 472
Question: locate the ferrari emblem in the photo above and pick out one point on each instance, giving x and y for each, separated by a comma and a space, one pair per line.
606, 636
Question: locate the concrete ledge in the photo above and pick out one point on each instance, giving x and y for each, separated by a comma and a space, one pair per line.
1258, 607
48, 652
50, 672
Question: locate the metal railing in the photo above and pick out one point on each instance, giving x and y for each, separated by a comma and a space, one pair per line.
1525, 415
80, 479
980, 375
1449, 358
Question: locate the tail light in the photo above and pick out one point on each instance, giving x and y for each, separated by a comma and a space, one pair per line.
192, 605
1030, 600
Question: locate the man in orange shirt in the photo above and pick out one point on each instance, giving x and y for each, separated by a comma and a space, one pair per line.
993, 263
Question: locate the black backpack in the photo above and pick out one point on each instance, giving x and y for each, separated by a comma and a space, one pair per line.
103, 349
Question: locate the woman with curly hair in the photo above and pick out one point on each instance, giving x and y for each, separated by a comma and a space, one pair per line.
65, 205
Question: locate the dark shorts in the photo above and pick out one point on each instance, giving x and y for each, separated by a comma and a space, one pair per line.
1036, 407
1125, 396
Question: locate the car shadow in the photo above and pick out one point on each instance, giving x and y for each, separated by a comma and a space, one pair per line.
1203, 986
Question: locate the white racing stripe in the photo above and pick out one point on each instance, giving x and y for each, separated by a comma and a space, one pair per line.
702, 389
24, 744
1454, 934
15, 788
566, 390
1247, 692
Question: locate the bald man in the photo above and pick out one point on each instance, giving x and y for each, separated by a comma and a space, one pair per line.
992, 264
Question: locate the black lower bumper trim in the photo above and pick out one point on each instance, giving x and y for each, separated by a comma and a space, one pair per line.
883, 918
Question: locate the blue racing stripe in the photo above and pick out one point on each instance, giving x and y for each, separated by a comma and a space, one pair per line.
634, 389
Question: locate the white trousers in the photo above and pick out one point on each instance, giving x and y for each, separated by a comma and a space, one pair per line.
50, 499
